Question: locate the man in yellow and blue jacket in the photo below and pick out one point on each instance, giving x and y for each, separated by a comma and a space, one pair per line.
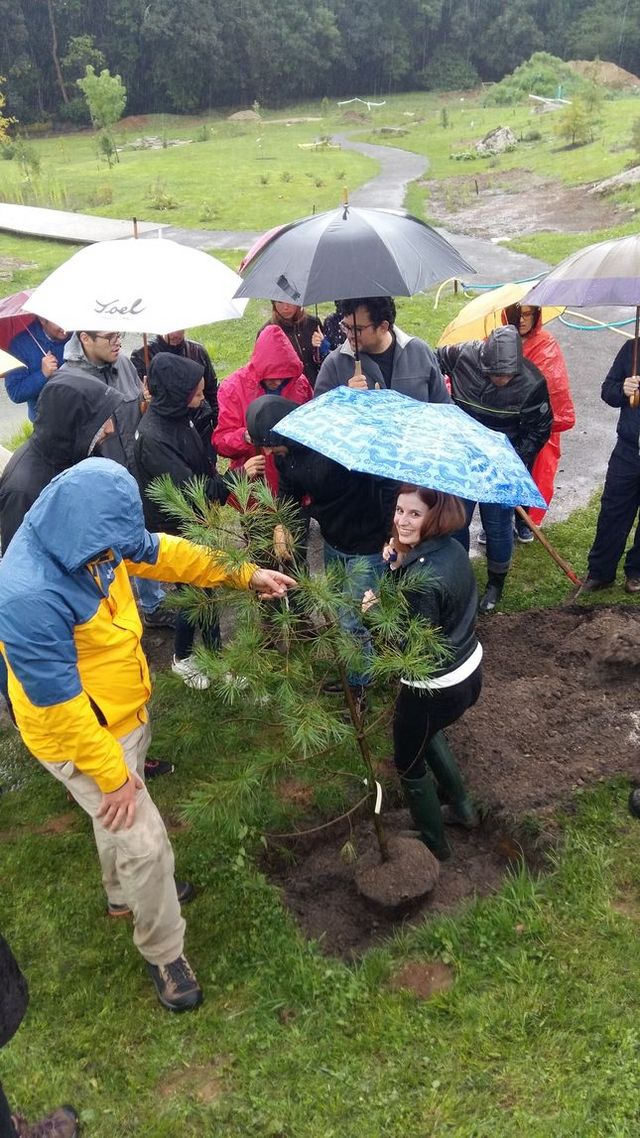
78, 682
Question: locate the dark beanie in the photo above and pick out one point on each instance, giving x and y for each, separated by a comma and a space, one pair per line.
262, 416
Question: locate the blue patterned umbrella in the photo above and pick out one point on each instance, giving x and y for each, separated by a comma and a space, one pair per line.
428, 444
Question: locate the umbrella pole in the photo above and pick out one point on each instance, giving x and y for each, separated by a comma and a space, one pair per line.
145, 342
553, 553
635, 398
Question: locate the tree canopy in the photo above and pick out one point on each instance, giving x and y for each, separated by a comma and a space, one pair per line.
191, 55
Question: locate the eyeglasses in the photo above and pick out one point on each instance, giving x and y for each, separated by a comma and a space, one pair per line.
111, 337
526, 313
350, 329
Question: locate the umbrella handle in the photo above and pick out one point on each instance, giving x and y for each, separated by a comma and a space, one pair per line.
553, 553
635, 398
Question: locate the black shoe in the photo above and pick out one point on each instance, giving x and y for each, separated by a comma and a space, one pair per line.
632, 585
489, 600
185, 890
160, 618
523, 534
634, 802
176, 986
61, 1123
592, 585
153, 768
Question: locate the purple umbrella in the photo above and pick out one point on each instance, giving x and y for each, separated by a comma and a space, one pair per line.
606, 273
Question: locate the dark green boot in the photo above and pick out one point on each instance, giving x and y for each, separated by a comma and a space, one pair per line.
424, 807
440, 760
490, 598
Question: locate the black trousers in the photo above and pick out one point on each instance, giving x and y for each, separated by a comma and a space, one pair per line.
6, 1125
619, 508
420, 714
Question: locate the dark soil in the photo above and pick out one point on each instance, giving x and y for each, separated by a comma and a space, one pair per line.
559, 712
524, 202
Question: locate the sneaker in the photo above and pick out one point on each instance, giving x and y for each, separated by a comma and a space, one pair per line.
189, 671
185, 890
176, 986
61, 1123
489, 600
482, 538
153, 768
632, 585
523, 534
160, 618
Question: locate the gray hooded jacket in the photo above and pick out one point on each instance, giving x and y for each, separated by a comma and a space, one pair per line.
415, 370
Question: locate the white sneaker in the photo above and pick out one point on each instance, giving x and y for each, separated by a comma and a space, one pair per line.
189, 671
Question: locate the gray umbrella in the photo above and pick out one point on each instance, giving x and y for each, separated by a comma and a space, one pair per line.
350, 252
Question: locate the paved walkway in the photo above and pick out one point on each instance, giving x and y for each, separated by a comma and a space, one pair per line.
589, 354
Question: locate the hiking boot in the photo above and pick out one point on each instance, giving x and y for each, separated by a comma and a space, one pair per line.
632, 585
190, 673
61, 1123
185, 890
153, 768
176, 986
592, 585
160, 618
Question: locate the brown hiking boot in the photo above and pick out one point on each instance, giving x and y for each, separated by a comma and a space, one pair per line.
61, 1123
176, 986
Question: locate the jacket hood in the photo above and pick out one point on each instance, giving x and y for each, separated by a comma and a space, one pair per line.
501, 352
274, 357
172, 382
73, 349
70, 412
92, 507
262, 416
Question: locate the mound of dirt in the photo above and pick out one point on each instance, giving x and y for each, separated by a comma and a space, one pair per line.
604, 72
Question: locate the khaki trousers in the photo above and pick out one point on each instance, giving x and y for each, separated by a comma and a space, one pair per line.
137, 864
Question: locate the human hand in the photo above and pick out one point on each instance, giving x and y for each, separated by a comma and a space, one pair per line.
369, 600
268, 583
49, 365
118, 809
631, 386
317, 338
282, 543
255, 466
390, 554
359, 381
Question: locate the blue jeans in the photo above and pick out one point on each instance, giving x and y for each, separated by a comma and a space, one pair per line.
365, 570
497, 522
150, 593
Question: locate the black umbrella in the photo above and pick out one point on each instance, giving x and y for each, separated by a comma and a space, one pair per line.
350, 252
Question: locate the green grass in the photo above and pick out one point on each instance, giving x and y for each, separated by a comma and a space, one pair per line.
245, 176
539, 1034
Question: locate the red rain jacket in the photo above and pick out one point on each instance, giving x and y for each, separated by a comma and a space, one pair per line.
544, 351
273, 358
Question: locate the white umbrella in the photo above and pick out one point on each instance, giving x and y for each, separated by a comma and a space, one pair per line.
152, 285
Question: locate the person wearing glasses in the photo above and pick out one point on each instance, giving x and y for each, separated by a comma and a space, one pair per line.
389, 357
99, 354
40, 348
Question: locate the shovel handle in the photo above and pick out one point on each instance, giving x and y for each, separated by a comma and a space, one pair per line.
553, 553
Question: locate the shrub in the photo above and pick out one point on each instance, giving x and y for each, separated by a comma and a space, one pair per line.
159, 196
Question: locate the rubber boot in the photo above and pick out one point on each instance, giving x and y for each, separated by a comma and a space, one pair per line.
424, 807
440, 760
492, 593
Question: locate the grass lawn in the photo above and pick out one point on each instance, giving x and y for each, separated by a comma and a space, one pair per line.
538, 1035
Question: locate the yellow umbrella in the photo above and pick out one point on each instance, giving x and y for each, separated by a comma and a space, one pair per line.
7, 362
483, 314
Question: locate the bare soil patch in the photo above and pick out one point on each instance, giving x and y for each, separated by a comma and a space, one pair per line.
423, 980
514, 203
205, 1083
558, 713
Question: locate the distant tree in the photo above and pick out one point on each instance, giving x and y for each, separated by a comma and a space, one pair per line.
81, 53
575, 124
106, 97
5, 122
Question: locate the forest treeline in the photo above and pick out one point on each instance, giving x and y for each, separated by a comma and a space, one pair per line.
187, 55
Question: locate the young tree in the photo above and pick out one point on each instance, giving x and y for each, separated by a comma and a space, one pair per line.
273, 668
106, 97
575, 124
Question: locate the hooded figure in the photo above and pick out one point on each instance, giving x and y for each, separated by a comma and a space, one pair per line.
70, 416
120, 376
167, 441
543, 350
274, 368
492, 383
